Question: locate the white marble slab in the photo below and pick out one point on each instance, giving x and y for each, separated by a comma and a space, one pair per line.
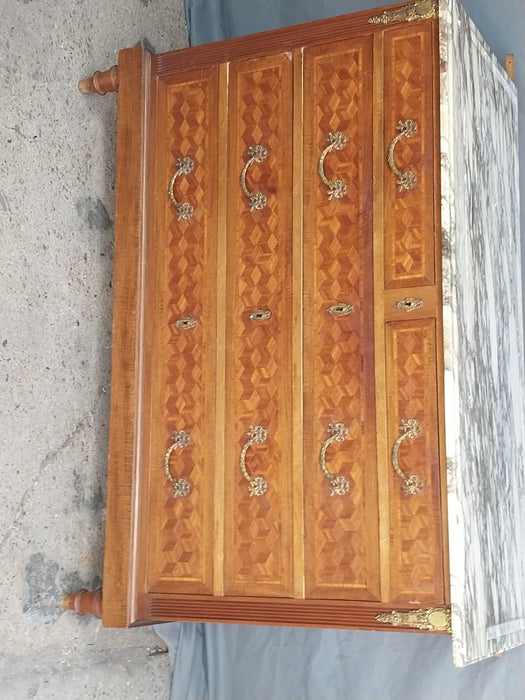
484, 377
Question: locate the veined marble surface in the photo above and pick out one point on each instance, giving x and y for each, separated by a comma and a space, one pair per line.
484, 378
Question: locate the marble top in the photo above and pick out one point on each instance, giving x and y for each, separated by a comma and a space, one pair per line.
483, 324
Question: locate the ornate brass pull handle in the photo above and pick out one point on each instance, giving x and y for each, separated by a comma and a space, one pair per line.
257, 485
257, 154
405, 179
184, 209
335, 188
413, 484
181, 487
338, 484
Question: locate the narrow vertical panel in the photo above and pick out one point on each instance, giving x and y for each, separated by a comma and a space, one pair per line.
258, 554
379, 315
298, 340
416, 557
181, 332
131, 233
409, 216
341, 531
222, 206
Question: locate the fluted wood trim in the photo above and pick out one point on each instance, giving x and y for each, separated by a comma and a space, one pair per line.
333, 614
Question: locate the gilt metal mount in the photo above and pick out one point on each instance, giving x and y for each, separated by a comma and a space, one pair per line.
433, 619
423, 9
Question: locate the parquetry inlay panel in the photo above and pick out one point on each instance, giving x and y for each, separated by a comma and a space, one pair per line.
415, 535
340, 553
258, 374
409, 232
185, 357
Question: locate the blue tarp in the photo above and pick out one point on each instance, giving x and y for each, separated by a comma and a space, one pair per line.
243, 662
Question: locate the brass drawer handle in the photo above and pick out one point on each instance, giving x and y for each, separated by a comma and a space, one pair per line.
413, 484
340, 309
338, 484
334, 188
256, 154
406, 179
181, 487
257, 485
184, 209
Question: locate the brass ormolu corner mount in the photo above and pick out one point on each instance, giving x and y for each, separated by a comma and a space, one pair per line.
423, 9
434, 619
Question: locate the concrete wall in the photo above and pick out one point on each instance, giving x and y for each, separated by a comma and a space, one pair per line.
57, 172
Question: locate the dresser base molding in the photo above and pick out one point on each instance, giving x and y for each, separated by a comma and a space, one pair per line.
258, 611
280, 612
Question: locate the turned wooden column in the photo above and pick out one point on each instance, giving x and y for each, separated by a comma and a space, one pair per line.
84, 602
101, 82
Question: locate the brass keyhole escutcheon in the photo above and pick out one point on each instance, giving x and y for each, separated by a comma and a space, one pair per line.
409, 304
260, 315
340, 309
186, 323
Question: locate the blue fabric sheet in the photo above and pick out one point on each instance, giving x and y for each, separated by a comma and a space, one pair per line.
213, 20
243, 662
235, 662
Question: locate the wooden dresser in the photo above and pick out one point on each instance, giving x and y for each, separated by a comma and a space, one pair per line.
277, 440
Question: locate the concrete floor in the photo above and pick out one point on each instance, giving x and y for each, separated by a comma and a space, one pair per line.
57, 165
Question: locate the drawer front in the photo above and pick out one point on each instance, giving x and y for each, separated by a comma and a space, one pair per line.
340, 478
409, 251
258, 528
416, 556
180, 332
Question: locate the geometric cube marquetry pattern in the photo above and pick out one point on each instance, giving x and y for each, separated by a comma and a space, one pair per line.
258, 359
415, 532
409, 223
339, 376
186, 356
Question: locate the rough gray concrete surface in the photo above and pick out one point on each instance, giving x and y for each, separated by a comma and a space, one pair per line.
57, 173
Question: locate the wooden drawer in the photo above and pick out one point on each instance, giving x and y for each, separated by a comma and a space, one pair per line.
341, 524
409, 132
180, 336
258, 523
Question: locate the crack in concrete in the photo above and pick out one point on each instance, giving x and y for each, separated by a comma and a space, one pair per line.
4, 202
46, 461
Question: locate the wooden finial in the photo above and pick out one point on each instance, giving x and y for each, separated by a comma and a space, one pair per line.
84, 602
100, 82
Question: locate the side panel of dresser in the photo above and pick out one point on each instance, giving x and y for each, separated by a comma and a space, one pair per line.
127, 353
